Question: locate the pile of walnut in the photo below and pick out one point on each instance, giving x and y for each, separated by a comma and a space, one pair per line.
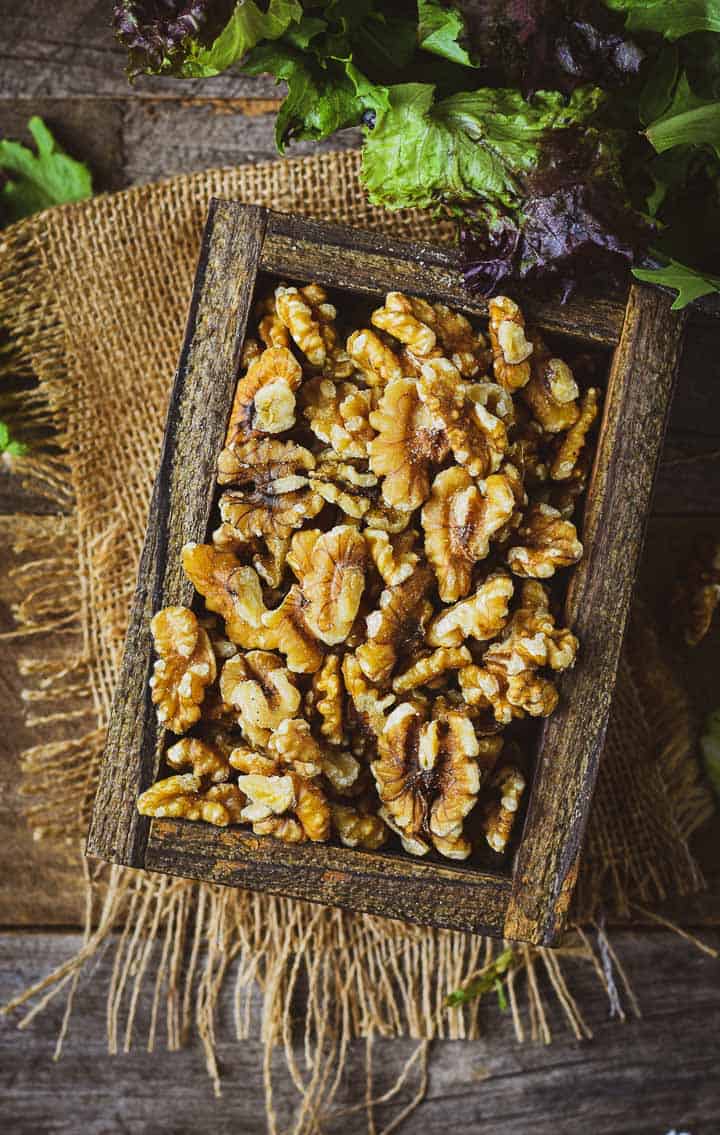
375, 611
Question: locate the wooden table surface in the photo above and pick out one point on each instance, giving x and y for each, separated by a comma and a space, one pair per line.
645, 1076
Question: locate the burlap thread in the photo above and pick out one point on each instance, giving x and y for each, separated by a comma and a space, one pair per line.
93, 299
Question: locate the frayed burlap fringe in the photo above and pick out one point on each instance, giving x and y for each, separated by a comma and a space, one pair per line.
92, 298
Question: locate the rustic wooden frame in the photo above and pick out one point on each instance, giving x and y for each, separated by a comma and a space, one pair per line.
530, 903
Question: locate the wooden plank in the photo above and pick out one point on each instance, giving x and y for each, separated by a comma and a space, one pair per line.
395, 886
179, 511
161, 139
309, 250
642, 1077
637, 404
67, 50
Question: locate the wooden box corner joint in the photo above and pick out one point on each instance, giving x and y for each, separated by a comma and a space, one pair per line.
531, 903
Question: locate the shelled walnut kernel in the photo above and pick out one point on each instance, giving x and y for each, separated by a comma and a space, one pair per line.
390, 500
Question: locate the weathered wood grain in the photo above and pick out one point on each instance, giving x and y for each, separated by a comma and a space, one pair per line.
643, 1077
637, 403
162, 138
371, 263
179, 511
393, 885
67, 49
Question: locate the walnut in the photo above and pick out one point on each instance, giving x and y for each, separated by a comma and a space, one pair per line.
184, 796
464, 346
387, 519
185, 667
203, 759
426, 773
459, 520
563, 495
271, 328
552, 391
284, 828
509, 679
477, 438
252, 350
267, 554
271, 494
312, 809
697, 592
268, 795
494, 398
425, 669
293, 746
232, 590
408, 441
264, 399
342, 483
357, 828
378, 364
481, 616
527, 451
499, 814
327, 699
331, 569
276, 795
261, 691
288, 626
406, 319
297, 314
341, 770
393, 563
511, 350
371, 704
570, 449
547, 542
395, 626
410, 843
338, 414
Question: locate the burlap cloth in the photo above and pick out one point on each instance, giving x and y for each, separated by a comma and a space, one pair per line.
93, 300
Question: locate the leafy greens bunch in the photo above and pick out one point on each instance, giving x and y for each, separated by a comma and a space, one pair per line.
567, 137
29, 182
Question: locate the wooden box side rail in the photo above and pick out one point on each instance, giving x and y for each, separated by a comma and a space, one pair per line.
179, 511
636, 407
239, 242
390, 885
357, 260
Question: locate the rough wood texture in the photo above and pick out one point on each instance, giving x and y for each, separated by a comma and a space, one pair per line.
643, 1077
636, 409
179, 511
386, 884
369, 262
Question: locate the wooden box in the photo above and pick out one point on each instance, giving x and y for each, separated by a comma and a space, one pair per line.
529, 899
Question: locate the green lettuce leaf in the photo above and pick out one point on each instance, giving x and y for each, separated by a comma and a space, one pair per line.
688, 120
247, 26
671, 18
689, 283
319, 100
37, 181
8, 444
490, 978
439, 30
476, 144
710, 749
